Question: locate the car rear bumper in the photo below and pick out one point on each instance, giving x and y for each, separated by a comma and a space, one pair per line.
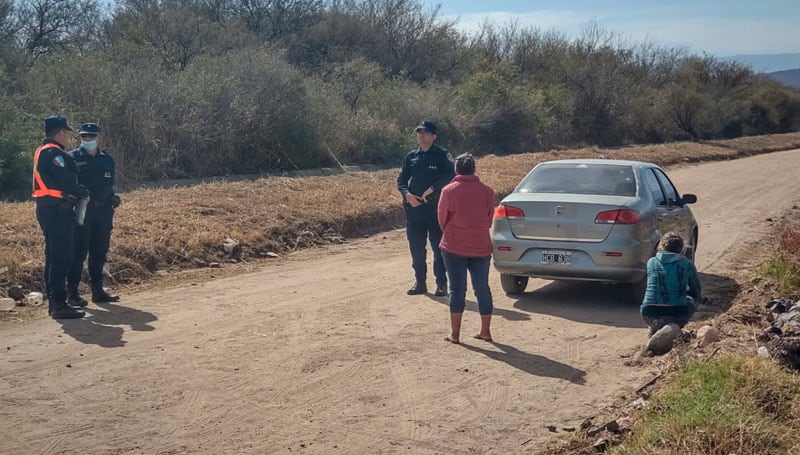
605, 274
590, 261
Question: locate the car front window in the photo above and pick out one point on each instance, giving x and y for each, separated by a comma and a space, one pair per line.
651, 182
671, 193
580, 178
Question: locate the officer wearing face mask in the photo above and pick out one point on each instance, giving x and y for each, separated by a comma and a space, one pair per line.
96, 172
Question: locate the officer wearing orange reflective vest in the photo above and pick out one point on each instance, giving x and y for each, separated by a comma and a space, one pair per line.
56, 191
97, 173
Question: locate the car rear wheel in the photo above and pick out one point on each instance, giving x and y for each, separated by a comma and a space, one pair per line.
513, 284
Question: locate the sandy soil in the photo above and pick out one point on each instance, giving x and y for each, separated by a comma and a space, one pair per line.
324, 353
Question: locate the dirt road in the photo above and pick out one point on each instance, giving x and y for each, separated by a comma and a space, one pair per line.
324, 352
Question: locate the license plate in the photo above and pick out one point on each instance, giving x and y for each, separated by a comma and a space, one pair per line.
556, 257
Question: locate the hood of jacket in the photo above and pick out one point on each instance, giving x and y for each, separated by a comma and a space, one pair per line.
667, 257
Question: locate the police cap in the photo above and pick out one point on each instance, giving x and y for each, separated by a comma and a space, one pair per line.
89, 128
55, 122
426, 126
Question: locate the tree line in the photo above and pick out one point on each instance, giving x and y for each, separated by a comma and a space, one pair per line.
189, 88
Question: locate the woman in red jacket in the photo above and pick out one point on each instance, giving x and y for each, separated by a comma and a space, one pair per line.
465, 216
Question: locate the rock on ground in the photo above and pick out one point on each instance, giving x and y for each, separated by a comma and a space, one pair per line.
707, 335
661, 341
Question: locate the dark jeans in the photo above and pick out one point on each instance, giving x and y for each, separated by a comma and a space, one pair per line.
478, 267
93, 238
657, 316
422, 225
58, 230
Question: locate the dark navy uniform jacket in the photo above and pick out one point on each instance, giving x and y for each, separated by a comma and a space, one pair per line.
97, 174
421, 170
58, 171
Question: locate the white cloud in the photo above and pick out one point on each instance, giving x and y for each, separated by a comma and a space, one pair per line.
722, 36
716, 35
565, 21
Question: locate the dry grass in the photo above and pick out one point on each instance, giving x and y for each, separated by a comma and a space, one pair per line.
784, 266
760, 144
174, 229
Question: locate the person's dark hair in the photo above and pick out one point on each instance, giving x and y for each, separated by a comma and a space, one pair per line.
465, 164
53, 132
671, 242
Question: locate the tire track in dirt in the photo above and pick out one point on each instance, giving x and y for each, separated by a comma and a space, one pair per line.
497, 398
263, 386
229, 332
52, 445
415, 413
374, 442
166, 434
310, 384
157, 432
54, 386
287, 392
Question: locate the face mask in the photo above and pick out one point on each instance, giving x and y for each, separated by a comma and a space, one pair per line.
89, 146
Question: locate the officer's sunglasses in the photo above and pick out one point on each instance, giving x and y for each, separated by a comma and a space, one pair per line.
88, 136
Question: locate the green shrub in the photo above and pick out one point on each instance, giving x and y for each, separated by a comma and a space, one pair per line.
773, 109
379, 146
15, 166
18, 138
192, 89
501, 113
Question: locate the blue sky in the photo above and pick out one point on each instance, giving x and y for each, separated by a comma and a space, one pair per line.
718, 27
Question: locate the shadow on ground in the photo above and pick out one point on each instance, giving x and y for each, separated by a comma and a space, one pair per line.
101, 326
719, 292
605, 304
529, 363
472, 306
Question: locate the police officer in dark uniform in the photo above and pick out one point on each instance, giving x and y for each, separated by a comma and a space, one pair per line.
426, 170
56, 190
96, 172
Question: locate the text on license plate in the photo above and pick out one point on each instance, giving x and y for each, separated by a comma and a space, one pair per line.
557, 257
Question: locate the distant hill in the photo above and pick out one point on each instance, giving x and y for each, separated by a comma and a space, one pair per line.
767, 63
788, 77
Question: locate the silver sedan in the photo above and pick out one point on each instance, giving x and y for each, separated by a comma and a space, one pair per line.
588, 220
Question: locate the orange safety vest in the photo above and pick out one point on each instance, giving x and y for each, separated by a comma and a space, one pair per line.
39, 188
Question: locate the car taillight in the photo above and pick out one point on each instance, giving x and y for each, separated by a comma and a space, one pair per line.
622, 216
508, 211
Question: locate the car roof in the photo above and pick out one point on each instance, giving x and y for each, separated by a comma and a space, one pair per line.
601, 161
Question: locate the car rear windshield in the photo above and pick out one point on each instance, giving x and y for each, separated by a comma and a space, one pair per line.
580, 178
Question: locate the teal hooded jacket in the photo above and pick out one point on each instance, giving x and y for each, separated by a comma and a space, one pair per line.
670, 278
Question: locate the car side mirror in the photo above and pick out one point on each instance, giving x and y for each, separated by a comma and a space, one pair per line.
688, 199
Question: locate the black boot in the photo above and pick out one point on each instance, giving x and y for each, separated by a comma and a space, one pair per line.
65, 311
441, 290
99, 295
419, 288
75, 300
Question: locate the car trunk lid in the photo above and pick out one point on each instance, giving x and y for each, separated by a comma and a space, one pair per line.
562, 216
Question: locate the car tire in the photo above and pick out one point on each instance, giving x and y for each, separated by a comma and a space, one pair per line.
513, 284
691, 248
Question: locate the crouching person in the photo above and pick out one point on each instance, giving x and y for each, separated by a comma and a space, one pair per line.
672, 294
